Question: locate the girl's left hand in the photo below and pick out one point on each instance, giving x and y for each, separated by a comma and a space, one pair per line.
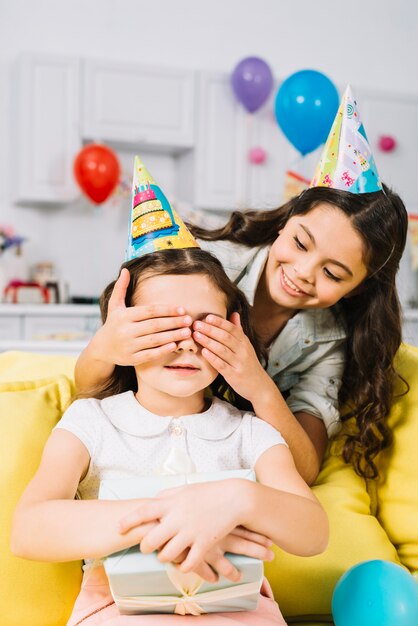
227, 348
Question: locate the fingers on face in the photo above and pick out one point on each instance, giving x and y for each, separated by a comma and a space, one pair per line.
117, 298
221, 334
156, 318
222, 351
159, 339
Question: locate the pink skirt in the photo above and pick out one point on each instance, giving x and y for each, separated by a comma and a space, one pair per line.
95, 607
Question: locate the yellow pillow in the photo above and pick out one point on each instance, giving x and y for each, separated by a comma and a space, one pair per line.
303, 586
397, 491
31, 593
15, 366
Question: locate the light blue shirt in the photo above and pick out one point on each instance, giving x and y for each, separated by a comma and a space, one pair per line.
306, 360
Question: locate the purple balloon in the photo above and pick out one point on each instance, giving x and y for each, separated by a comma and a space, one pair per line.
252, 82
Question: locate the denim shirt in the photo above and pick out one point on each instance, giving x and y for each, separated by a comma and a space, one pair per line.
306, 360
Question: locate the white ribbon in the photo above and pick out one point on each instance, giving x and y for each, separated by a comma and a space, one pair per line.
177, 462
191, 601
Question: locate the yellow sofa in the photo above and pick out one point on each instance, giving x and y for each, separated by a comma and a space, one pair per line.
367, 521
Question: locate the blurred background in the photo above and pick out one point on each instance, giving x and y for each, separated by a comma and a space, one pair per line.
154, 79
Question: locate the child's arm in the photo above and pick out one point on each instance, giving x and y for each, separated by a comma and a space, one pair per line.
129, 336
49, 525
229, 351
66, 529
283, 509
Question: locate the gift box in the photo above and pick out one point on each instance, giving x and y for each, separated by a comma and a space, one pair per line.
141, 584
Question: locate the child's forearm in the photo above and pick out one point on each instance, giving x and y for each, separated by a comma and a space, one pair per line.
270, 406
296, 524
90, 370
68, 530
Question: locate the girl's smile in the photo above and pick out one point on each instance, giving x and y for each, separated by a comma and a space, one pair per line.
289, 286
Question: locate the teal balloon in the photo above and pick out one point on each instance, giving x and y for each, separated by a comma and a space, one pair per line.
376, 593
305, 107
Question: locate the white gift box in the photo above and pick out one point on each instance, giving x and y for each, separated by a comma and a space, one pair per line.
141, 584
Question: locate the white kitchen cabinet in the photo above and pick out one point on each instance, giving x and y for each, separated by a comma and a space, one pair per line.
266, 180
10, 327
49, 328
139, 105
46, 132
211, 176
397, 116
217, 175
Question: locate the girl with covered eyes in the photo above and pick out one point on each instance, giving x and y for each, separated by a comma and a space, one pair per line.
320, 274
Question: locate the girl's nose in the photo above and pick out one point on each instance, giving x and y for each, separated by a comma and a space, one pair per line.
305, 270
187, 345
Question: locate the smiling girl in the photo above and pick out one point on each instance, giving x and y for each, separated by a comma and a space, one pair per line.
320, 274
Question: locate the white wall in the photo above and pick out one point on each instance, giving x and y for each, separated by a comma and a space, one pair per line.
371, 44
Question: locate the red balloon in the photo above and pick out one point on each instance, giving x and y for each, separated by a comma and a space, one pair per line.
97, 171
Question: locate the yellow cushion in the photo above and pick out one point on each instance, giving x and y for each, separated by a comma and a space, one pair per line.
397, 492
31, 593
15, 366
304, 586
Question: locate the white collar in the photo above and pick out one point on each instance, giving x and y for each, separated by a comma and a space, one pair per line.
218, 422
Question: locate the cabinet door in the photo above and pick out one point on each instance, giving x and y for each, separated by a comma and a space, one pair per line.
219, 154
47, 128
266, 180
10, 327
71, 327
138, 105
389, 114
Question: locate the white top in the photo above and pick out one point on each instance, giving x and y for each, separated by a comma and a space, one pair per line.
306, 360
125, 440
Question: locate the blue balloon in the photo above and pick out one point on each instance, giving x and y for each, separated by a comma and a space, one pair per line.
306, 105
376, 593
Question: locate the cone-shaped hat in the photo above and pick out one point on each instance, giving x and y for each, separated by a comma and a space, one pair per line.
154, 224
347, 161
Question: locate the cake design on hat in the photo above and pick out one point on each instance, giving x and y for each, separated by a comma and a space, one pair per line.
154, 224
347, 161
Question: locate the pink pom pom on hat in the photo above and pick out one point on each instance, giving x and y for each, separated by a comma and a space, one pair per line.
347, 161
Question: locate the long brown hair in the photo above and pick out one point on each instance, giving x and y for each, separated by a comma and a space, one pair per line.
372, 318
179, 262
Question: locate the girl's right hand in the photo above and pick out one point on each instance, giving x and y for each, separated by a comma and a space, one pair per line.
137, 334
239, 541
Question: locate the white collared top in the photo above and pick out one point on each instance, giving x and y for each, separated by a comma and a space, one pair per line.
306, 360
125, 440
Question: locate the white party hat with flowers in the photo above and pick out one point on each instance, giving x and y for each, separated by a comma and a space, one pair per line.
154, 224
347, 161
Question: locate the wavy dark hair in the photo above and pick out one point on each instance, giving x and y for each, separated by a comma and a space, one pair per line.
179, 262
372, 317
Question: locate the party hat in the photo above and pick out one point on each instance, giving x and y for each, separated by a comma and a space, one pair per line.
347, 161
154, 224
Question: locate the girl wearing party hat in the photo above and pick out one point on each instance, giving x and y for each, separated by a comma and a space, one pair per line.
319, 273
155, 418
